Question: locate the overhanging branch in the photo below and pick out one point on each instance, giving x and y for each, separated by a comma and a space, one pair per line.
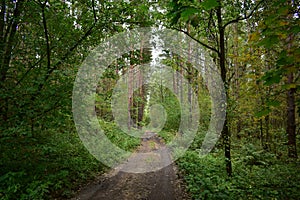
200, 42
239, 18
66, 55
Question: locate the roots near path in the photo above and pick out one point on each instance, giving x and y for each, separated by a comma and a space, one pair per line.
162, 184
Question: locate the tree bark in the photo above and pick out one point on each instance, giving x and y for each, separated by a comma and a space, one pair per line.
267, 145
225, 131
6, 48
237, 76
141, 102
291, 122
130, 91
291, 107
189, 73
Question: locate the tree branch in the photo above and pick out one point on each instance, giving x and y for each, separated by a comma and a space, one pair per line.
2, 25
66, 55
231, 77
30, 68
7, 54
297, 76
46, 35
94, 11
239, 18
200, 42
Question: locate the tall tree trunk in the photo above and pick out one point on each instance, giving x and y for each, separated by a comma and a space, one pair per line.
291, 122
8, 42
237, 76
141, 106
225, 131
291, 108
189, 73
175, 82
8, 32
181, 81
261, 129
268, 136
141, 101
130, 91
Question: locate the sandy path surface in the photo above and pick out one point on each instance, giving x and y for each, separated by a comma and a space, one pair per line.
153, 182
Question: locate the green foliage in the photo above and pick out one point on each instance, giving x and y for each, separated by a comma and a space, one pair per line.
118, 137
39, 167
188, 12
167, 135
169, 101
272, 77
209, 4
41, 154
278, 34
257, 175
262, 112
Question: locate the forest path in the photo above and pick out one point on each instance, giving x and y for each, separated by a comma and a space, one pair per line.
162, 184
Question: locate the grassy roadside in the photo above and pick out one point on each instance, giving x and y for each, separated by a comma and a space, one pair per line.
257, 174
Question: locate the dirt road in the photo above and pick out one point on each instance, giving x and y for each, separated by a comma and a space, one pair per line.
119, 184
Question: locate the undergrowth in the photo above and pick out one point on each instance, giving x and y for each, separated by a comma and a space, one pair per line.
51, 163
257, 174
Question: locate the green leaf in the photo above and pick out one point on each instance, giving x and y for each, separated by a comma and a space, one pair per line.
283, 10
144, 8
209, 4
273, 103
284, 59
279, 2
270, 41
187, 13
272, 77
289, 86
295, 29
263, 112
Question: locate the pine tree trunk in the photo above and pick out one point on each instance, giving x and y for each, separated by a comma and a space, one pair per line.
141, 102
130, 91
